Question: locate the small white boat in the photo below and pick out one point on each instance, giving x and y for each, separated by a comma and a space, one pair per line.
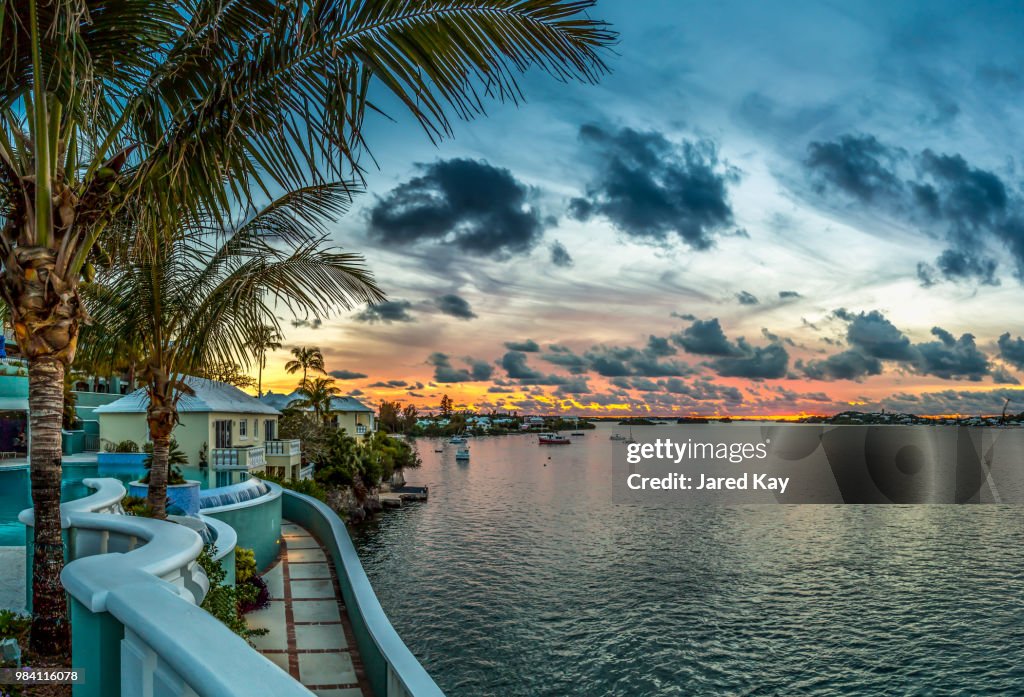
462, 454
552, 439
616, 436
456, 440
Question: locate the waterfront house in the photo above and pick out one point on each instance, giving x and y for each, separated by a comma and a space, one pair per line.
346, 412
220, 427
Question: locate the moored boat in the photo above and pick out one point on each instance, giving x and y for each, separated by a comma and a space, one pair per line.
552, 439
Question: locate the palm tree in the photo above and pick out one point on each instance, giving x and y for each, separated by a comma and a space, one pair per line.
265, 339
316, 394
200, 299
306, 358
185, 108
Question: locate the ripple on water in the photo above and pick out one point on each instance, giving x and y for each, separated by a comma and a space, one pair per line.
521, 579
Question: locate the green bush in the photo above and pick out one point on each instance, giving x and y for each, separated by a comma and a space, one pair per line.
245, 564
125, 446
222, 601
309, 487
14, 625
136, 505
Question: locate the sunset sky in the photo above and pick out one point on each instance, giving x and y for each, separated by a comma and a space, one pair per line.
765, 208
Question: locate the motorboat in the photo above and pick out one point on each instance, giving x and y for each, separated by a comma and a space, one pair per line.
462, 454
457, 440
616, 436
552, 439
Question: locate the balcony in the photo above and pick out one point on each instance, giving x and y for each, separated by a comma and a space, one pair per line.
284, 457
283, 447
250, 458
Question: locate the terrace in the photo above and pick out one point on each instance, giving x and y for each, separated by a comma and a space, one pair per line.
137, 628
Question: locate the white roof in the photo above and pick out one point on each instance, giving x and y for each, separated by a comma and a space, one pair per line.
279, 400
210, 396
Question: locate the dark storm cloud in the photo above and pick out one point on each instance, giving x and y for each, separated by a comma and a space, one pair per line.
685, 316
468, 204
756, 362
848, 365
653, 189
445, 372
480, 370
622, 361
659, 346
516, 368
702, 390
957, 265
560, 255
347, 374
875, 336
705, 338
528, 346
972, 208
787, 294
951, 359
455, 306
1012, 350
566, 359
391, 383
573, 386
858, 165
1002, 376
314, 323
387, 312
514, 363
745, 298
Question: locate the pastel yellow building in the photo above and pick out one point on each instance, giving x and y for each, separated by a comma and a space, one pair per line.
219, 427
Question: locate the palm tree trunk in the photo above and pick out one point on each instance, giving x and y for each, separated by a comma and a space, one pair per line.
259, 380
160, 416
50, 634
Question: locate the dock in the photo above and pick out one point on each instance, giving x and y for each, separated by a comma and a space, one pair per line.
401, 495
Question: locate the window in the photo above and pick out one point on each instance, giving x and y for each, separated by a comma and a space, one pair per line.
269, 429
256, 428
222, 434
243, 427
360, 429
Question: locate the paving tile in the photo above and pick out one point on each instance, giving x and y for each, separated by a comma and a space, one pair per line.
320, 636
347, 692
302, 543
326, 669
315, 611
302, 571
301, 555
271, 617
312, 589
281, 659
275, 581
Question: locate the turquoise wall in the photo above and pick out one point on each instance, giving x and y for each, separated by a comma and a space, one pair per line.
96, 646
258, 527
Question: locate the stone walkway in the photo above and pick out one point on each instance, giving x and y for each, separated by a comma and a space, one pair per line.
12, 578
310, 636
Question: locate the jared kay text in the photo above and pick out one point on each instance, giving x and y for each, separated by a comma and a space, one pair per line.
703, 482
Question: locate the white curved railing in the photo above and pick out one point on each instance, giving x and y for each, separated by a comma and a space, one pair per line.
142, 575
162, 549
106, 498
391, 667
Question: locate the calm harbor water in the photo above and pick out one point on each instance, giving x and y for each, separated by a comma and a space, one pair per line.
521, 577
